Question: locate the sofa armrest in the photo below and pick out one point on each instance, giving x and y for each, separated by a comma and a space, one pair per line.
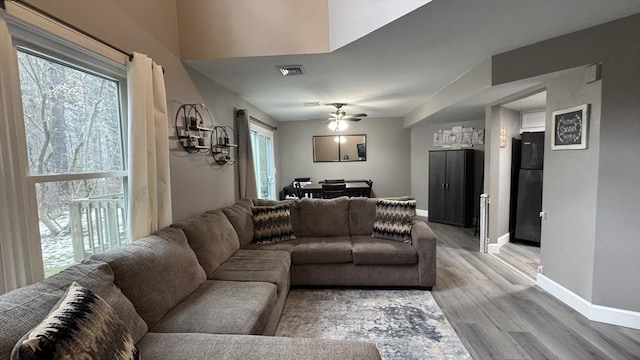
424, 241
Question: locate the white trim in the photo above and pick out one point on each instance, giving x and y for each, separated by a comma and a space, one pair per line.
424, 213
76, 176
502, 240
599, 313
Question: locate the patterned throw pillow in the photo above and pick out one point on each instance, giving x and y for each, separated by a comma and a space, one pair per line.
272, 223
81, 326
394, 219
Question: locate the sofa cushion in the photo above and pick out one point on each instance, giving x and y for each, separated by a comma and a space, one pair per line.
362, 210
81, 325
99, 277
394, 219
256, 265
288, 245
322, 250
324, 217
241, 219
222, 307
212, 238
294, 207
374, 251
156, 272
21, 310
159, 346
272, 223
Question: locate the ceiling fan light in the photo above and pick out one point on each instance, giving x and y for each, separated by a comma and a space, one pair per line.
337, 125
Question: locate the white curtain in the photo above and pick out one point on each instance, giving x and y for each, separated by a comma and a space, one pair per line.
18, 240
149, 183
246, 168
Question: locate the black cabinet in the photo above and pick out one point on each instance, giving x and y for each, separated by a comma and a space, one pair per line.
451, 186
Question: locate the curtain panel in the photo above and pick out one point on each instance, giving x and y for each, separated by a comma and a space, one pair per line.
149, 181
246, 168
19, 240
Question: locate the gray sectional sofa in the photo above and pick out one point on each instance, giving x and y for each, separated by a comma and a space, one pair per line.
203, 289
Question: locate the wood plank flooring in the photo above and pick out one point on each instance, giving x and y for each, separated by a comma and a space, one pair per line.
500, 314
522, 256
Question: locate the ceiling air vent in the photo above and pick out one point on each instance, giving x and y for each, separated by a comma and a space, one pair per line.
291, 70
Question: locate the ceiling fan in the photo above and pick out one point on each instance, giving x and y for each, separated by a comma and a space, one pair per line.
337, 121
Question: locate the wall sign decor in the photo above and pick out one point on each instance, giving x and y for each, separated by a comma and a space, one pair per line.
458, 137
570, 128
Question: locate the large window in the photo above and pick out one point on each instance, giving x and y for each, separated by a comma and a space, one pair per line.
264, 162
73, 126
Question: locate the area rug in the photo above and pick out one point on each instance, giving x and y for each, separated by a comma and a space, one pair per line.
404, 324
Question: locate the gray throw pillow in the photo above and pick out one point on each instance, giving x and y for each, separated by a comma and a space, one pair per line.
81, 326
272, 223
394, 219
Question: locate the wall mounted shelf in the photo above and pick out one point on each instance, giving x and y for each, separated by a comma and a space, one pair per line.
223, 149
194, 125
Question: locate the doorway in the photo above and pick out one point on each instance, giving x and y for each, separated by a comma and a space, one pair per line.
522, 251
264, 161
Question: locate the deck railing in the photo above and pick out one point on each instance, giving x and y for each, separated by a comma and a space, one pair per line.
97, 224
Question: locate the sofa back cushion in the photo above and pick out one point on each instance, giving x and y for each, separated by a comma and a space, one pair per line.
324, 217
81, 326
21, 310
362, 211
240, 218
98, 276
156, 272
212, 238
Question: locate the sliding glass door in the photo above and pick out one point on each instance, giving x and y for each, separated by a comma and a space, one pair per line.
264, 161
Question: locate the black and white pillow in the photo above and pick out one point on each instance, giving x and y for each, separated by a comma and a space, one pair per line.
272, 223
393, 219
81, 326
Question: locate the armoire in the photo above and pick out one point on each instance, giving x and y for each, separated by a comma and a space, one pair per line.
451, 177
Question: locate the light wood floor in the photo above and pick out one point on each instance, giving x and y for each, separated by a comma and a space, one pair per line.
500, 314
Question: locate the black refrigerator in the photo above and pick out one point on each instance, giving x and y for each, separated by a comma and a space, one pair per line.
529, 198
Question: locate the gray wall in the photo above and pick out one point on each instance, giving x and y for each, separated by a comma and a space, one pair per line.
498, 162
197, 184
603, 205
570, 186
422, 143
388, 154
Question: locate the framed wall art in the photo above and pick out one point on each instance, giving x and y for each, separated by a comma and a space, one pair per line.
569, 128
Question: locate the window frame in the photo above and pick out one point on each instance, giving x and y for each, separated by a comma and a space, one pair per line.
261, 130
39, 35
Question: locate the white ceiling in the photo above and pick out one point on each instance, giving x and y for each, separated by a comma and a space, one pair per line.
398, 67
534, 102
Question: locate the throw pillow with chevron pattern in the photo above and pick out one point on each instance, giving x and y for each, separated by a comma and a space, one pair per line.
393, 219
81, 326
272, 223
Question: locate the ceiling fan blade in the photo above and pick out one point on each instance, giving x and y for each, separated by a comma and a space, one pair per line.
360, 115
352, 119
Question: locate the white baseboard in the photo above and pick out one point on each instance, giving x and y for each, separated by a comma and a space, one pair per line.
424, 213
599, 313
494, 248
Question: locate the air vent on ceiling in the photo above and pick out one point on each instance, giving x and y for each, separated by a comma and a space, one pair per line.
291, 70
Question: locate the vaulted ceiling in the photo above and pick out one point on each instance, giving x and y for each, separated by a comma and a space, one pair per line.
400, 66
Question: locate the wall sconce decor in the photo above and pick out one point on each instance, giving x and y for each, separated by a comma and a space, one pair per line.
503, 136
223, 150
194, 124
197, 133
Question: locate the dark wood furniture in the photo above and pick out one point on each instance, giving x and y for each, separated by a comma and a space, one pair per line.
331, 191
352, 189
451, 174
